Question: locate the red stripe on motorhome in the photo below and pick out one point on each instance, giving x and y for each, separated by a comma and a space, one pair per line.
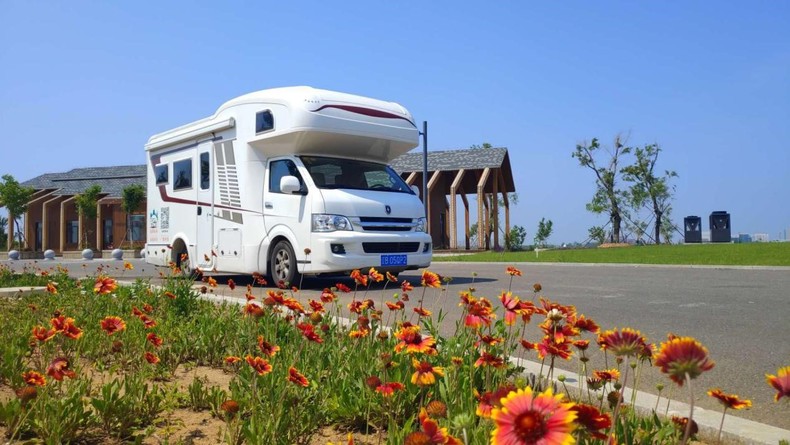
365, 112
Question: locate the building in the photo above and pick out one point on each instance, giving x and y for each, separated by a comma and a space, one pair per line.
481, 172
53, 222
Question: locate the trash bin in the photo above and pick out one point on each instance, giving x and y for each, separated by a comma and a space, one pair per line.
720, 228
693, 226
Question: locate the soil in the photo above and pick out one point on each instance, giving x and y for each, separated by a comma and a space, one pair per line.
184, 426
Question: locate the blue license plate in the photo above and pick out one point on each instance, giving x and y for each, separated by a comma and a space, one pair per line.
393, 260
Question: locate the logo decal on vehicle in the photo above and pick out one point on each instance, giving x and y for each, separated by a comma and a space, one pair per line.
388, 209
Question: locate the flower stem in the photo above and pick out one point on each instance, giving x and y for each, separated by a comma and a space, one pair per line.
691, 411
721, 426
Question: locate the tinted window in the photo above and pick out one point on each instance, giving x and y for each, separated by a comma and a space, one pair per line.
160, 172
264, 121
278, 169
182, 174
137, 225
205, 176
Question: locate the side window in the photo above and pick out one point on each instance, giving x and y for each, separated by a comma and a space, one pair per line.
278, 169
264, 121
182, 174
205, 171
160, 172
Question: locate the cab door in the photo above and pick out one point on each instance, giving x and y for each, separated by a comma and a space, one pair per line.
287, 213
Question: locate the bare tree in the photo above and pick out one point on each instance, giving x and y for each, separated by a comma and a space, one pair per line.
607, 198
650, 190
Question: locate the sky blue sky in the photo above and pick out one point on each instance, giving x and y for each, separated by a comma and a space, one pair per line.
86, 83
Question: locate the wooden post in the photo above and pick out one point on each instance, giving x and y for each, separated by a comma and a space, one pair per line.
482, 229
495, 207
453, 210
431, 185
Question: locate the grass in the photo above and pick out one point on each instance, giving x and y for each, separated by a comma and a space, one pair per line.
751, 254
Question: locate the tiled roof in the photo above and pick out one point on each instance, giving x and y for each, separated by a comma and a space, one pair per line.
111, 179
472, 158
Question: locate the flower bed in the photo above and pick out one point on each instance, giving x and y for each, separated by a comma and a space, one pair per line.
91, 361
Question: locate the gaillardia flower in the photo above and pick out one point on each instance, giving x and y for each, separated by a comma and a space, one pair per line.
413, 342
426, 373
294, 376
430, 279
261, 366
681, 356
112, 324
731, 401
591, 420
780, 382
626, 342
59, 368
34, 378
104, 285
528, 419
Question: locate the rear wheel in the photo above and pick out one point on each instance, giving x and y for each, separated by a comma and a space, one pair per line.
283, 264
183, 262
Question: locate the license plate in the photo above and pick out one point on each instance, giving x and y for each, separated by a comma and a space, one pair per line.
393, 260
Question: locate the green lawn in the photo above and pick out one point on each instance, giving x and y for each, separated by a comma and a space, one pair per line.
752, 254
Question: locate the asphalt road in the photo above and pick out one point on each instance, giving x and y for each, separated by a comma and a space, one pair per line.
742, 315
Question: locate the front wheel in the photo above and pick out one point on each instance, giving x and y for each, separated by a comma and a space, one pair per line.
283, 264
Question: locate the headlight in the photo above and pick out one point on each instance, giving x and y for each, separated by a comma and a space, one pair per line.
420, 227
330, 223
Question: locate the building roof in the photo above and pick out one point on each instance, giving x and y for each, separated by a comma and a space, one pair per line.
111, 179
471, 158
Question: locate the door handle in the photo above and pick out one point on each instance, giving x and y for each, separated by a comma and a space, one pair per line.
200, 210
268, 205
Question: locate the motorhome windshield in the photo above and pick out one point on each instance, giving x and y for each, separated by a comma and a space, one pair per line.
334, 173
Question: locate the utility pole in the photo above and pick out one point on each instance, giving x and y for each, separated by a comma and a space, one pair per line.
424, 134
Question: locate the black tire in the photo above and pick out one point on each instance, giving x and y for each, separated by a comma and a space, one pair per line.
185, 264
283, 264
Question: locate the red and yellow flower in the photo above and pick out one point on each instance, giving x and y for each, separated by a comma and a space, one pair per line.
626, 342
112, 324
232, 359
426, 373
491, 399
375, 275
526, 418
511, 307
389, 388
104, 285
59, 368
780, 382
267, 348
411, 341
70, 330
730, 401
259, 364
592, 420
359, 278
512, 271
607, 375
151, 358
52, 288
34, 378
433, 434
430, 279
681, 356
43, 334
309, 332
492, 360
422, 312
154, 339
294, 376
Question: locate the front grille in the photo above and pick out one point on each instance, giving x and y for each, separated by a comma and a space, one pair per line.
386, 224
410, 247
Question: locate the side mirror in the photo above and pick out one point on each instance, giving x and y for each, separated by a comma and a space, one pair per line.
415, 189
291, 186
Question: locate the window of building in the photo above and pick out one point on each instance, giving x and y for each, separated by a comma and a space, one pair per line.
72, 232
160, 172
182, 174
205, 169
137, 225
278, 169
264, 121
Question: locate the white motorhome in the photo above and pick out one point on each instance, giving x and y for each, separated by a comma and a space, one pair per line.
283, 182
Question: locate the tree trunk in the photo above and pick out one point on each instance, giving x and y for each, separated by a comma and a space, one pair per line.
658, 213
616, 223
